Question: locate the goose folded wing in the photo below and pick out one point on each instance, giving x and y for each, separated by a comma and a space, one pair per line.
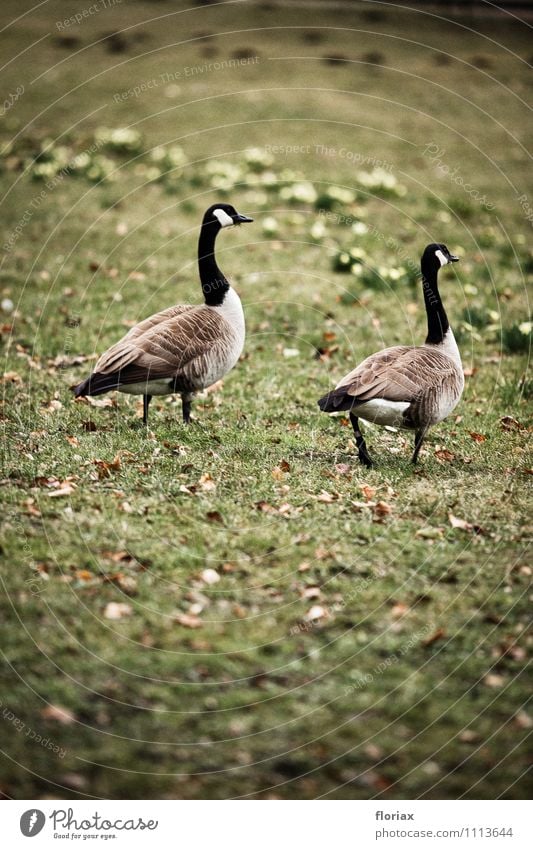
166, 348
397, 374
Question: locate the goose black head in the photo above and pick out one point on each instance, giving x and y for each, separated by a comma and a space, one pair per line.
224, 215
439, 255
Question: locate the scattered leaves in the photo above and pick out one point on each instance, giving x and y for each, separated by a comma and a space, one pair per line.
117, 610
57, 713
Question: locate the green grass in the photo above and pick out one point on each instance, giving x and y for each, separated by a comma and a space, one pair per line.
412, 680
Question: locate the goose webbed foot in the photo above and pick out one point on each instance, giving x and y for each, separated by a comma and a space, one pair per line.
362, 450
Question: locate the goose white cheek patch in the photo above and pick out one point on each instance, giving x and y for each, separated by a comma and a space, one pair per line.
224, 219
441, 258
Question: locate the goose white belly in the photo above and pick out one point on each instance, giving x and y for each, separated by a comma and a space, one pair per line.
382, 412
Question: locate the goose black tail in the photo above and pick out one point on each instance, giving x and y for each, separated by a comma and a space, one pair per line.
335, 401
96, 384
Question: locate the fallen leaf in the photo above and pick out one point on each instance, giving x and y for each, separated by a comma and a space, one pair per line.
439, 634
342, 468
399, 609
66, 489
315, 613
210, 576
508, 423
469, 736
285, 466
382, 509
367, 491
207, 483
469, 372
215, 516
327, 497
311, 592
444, 454
477, 437
72, 440
117, 610
11, 377
57, 713
493, 680
523, 720
104, 467
462, 524
188, 620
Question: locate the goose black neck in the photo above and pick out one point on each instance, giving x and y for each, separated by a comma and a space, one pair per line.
436, 314
214, 284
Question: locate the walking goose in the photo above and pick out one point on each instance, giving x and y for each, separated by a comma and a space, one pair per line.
182, 349
406, 386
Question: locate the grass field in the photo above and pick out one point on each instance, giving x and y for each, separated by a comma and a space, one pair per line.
237, 608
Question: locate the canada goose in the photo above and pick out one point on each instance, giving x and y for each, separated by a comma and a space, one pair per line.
406, 386
184, 348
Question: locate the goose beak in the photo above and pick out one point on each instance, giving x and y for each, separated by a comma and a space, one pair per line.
242, 219
453, 258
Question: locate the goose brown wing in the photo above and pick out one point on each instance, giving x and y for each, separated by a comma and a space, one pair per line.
397, 374
166, 347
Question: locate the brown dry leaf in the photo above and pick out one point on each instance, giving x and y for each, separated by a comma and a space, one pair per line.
444, 454
207, 483
117, 610
104, 467
462, 524
264, 507
469, 736
477, 437
210, 576
57, 713
67, 488
439, 634
72, 440
399, 609
311, 592
508, 423
367, 491
52, 407
11, 377
84, 575
214, 516
315, 613
382, 509
469, 372
327, 497
493, 680
188, 620
523, 719
277, 473
285, 466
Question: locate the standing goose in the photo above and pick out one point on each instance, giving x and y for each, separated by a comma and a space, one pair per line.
406, 386
182, 349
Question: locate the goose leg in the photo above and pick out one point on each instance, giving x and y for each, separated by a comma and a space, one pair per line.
364, 456
146, 404
186, 403
419, 438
